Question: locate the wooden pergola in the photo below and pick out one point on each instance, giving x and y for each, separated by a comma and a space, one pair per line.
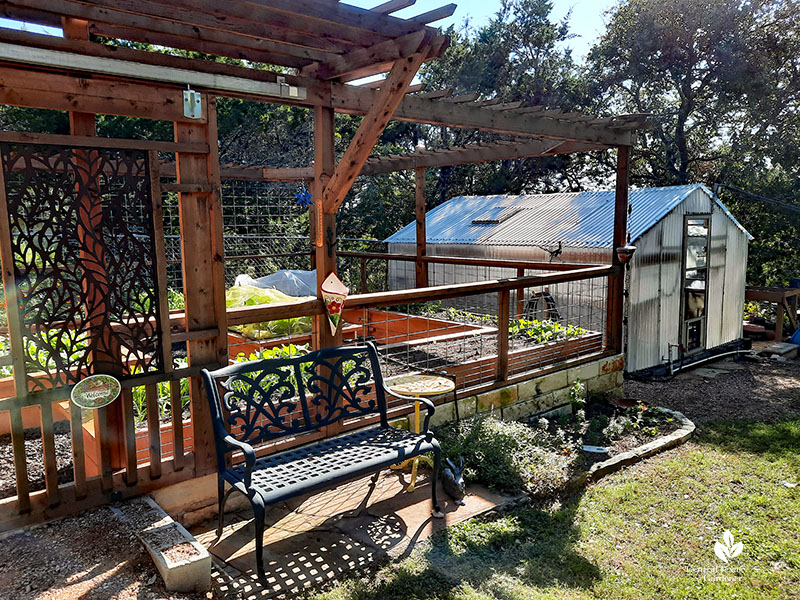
322, 45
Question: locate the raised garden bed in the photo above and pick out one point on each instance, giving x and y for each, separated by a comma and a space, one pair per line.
35, 459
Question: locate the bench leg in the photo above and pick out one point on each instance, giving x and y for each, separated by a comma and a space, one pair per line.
258, 512
437, 460
223, 498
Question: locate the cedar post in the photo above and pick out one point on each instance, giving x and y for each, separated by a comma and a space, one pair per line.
324, 217
203, 269
421, 267
108, 359
520, 295
504, 306
616, 282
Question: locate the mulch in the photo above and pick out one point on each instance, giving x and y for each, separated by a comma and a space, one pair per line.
35, 459
91, 556
764, 390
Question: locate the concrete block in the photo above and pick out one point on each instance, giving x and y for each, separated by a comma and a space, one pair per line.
604, 383
617, 392
520, 410
781, 349
467, 407
445, 413
545, 402
184, 564
557, 412
612, 363
403, 422
552, 382
584, 372
188, 495
527, 389
496, 399
620, 378
561, 397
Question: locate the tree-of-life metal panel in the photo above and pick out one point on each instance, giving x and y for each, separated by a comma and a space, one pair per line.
84, 261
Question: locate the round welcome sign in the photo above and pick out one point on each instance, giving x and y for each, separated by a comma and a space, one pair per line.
96, 391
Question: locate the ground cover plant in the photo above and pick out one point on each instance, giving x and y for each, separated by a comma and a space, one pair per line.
541, 456
511, 457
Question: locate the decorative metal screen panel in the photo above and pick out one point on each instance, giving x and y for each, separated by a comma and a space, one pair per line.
81, 224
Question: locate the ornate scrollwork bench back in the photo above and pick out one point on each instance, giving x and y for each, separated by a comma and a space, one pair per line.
257, 402
272, 398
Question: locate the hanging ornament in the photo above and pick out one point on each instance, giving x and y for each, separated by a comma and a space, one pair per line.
333, 294
304, 198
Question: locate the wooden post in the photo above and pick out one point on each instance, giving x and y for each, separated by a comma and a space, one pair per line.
779, 308
324, 217
504, 301
421, 267
203, 270
110, 420
15, 336
616, 282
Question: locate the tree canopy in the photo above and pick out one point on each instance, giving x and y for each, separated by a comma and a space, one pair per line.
720, 77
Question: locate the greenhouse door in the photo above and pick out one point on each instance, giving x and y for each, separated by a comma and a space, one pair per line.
695, 283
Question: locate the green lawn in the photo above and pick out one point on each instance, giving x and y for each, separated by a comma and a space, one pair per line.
645, 532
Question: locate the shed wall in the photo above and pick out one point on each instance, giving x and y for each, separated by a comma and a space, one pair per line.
655, 289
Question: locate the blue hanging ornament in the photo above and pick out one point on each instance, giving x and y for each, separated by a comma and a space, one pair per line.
304, 198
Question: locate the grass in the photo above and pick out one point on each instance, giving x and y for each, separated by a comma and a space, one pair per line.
645, 532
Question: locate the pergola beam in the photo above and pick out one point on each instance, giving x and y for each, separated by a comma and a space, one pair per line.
473, 154
344, 98
437, 14
393, 6
376, 85
421, 160
371, 127
156, 27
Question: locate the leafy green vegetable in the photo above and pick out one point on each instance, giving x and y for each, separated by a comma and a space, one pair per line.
544, 331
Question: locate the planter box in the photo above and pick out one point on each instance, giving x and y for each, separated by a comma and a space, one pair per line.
525, 359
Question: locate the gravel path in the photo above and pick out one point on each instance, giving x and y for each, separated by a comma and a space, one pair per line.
92, 556
761, 390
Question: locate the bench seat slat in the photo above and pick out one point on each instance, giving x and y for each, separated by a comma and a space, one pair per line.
281, 476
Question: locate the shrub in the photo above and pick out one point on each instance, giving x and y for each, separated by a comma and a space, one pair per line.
577, 397
510, 457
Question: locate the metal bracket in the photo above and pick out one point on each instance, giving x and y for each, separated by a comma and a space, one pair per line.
289, 91
192, 104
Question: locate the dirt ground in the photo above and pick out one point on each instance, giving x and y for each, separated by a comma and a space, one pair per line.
745, 390
92, 556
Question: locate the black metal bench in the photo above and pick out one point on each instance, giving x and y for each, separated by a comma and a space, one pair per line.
268, 399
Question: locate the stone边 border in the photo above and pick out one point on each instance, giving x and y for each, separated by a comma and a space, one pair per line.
665, 442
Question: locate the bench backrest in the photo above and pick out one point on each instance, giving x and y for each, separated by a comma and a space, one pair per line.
266, 399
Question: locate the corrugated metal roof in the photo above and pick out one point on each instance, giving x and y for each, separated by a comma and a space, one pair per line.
579, 219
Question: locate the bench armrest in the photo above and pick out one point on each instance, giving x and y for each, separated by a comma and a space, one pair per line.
231, 444
428, 404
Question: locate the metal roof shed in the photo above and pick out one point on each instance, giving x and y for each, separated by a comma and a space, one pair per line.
686, 280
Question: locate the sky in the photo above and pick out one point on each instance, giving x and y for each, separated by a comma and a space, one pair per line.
587, 20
